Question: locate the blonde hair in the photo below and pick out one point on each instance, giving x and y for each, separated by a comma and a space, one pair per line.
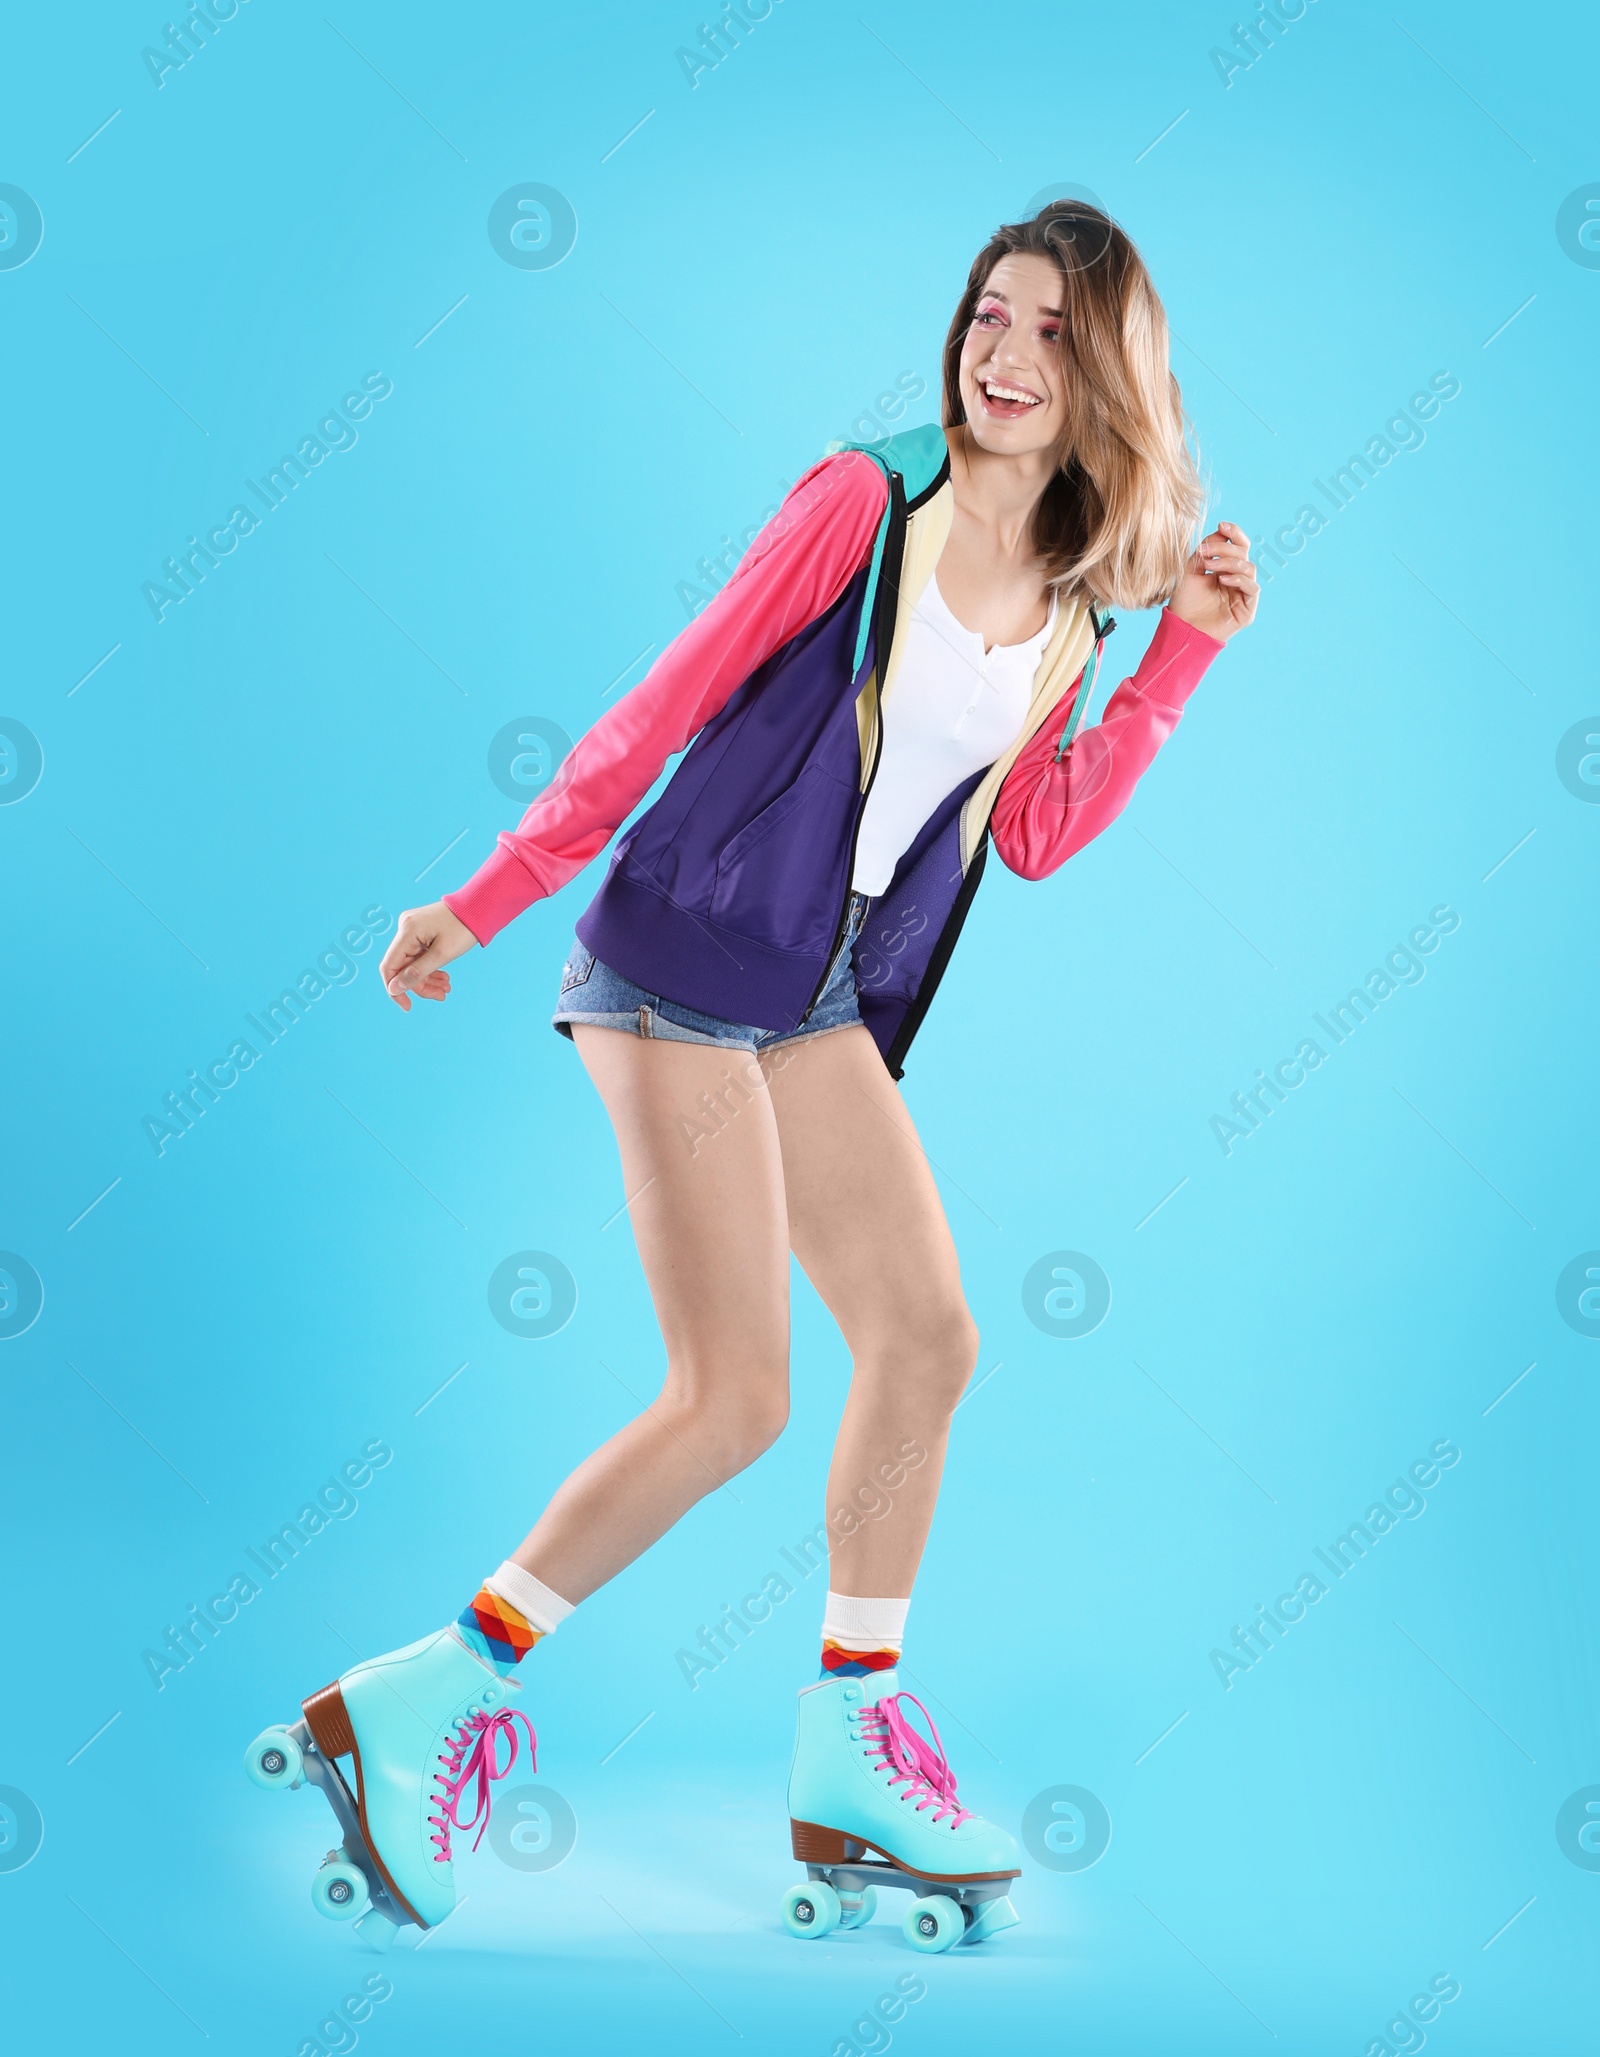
1116, 523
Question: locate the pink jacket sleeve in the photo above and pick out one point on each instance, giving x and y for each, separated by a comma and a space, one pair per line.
1045, 811
794, 571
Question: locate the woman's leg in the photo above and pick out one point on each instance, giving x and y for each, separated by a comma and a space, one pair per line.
866, 1223
708, 1217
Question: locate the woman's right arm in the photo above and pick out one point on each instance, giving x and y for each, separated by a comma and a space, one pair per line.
792, 573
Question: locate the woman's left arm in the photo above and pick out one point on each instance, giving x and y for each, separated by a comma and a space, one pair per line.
1047, 810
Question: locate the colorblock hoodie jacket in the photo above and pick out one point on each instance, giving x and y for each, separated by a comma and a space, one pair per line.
729, 894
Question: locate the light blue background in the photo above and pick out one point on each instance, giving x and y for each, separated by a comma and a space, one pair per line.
1366, 205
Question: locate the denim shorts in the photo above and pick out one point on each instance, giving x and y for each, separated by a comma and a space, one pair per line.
592, 992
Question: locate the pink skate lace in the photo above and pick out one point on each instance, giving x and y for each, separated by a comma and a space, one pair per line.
474, 1752
910, 1760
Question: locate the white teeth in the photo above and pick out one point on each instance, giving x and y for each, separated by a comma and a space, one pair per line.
1009, 393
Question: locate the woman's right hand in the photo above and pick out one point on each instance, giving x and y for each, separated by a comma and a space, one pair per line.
427, 939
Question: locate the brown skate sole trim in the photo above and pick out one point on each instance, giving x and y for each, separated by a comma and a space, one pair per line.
813, 1844
329, 1722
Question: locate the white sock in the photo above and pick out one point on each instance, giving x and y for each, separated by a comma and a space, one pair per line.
852, 1623
534, 1601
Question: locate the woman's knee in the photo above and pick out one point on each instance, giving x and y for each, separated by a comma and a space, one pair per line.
760, 1425
933, 1352
959, 1353
739, 1434
729, 1423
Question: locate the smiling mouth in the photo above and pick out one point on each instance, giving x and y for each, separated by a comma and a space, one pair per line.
1006, 402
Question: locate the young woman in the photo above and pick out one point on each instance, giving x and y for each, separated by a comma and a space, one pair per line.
892, 678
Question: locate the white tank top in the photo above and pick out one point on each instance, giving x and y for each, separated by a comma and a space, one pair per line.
955, 709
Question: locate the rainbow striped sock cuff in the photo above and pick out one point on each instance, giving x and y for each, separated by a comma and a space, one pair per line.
837, 1662
494, 1629
862, 1634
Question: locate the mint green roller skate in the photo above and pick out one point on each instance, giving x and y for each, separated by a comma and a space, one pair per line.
864, 1780
419, 1725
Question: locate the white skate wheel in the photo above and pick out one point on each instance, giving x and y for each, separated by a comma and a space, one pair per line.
934, 1923
339, 1890
274, 1760
811, 1910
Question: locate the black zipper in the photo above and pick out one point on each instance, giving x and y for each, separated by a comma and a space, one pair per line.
886, 604
943, 951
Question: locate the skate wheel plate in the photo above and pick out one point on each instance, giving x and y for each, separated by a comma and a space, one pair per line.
811, 1910
933, 1922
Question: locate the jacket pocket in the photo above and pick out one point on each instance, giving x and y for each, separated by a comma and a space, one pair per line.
778, 880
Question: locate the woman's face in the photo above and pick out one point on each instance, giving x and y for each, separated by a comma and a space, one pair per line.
1011, 366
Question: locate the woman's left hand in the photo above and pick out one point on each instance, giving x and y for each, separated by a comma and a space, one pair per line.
1218, 592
